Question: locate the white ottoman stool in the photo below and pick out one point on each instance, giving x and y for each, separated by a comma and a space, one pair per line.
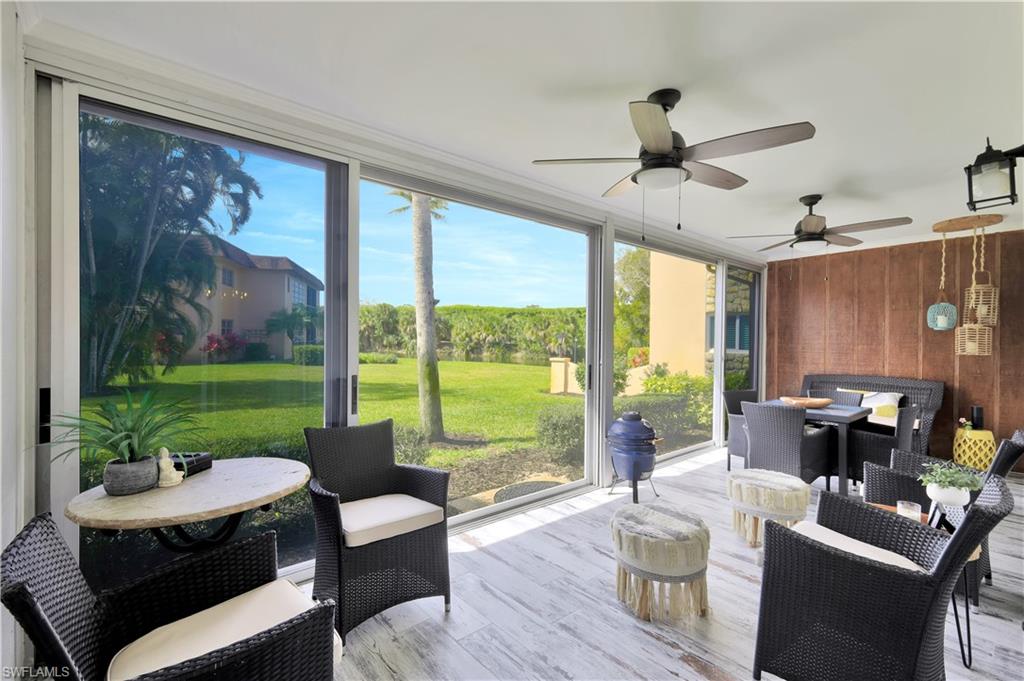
657, 542
757, 495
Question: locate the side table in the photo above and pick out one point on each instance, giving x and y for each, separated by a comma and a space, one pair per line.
974, 448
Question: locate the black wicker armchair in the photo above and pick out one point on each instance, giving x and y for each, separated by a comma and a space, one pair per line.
925, 395
737, 445
887, 485
777, 440
833, 613
868, 445
82, 634
381, 527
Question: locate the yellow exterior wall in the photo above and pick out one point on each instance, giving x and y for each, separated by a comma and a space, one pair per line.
678, 313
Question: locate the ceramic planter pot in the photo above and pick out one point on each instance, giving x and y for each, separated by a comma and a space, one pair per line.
121, 479
948, 496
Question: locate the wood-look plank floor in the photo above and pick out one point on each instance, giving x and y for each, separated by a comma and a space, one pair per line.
534, 598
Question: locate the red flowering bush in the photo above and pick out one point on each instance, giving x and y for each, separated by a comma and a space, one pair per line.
228, 346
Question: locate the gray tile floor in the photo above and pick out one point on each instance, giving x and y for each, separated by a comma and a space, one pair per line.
534, 598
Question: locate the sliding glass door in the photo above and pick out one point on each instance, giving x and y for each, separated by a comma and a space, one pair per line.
202, 272
472, 337
664, 343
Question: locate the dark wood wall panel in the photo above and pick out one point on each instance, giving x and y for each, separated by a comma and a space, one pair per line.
864, 312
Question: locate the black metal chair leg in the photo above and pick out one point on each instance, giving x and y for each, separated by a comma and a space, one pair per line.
968, 657
653, 488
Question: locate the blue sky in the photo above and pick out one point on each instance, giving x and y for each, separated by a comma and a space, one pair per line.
480, 257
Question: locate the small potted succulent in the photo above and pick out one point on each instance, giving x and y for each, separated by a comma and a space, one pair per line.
133, 435
949, 485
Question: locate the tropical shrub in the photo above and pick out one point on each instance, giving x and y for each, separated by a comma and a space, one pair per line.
697, 391
411, 445
311, 355
620, 374
639, 357
378, 358
256, 352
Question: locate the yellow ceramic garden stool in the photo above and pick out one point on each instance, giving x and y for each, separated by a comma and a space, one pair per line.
974, 448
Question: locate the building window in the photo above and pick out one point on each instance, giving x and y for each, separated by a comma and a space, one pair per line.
227, 326
227, 277
298, 293
737, 332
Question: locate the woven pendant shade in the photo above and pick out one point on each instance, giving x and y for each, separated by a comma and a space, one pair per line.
974, 340
981, 300
942, 315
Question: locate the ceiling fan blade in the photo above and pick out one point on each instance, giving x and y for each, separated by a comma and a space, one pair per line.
620, 187
781, 243
758, 236
556, 161
871, 224
651, 125
713, 176
745, 142
840, 240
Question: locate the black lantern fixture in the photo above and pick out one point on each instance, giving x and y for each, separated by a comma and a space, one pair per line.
990, 179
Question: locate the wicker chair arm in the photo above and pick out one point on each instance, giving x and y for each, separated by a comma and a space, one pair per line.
299, 648
887, 486
185, 586
329, 538
884, 529
808, 586
428, 484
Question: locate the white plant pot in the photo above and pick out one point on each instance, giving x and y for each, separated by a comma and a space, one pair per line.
948, 496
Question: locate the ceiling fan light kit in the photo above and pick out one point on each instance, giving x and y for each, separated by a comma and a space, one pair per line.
810, 245
990, 178
666, 160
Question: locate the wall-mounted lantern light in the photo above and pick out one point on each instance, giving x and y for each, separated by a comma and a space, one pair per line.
990, 179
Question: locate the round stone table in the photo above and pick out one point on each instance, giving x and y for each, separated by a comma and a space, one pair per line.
227, 490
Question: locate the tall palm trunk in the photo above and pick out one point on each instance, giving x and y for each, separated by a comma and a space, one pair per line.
431, 421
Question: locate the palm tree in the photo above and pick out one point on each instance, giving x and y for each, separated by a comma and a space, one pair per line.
424, 209
290, 322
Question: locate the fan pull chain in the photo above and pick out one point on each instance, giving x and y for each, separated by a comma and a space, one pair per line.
643, 214
679, 202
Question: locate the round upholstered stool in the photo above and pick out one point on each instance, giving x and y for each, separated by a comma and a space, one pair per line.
758, 495
662, 555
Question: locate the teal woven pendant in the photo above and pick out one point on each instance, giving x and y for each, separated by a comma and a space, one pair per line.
942, 316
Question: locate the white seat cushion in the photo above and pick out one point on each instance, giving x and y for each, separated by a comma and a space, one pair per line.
850, 545
389, 515
207, 630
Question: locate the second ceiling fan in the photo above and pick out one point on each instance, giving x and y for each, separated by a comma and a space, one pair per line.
666, 161
810, 234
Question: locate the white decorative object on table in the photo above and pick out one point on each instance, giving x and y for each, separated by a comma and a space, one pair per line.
948, 496
169, 476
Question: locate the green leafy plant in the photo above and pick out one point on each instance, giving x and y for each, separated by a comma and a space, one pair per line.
946, 475
309, 355
128, 434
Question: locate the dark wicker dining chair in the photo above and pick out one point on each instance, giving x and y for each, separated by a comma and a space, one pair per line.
381, 527
864, 445
831, 614
777, 440
78, 632
887, 485
845, 398
737, 445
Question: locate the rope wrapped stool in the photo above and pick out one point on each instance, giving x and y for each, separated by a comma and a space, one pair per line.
757, 495
658, 543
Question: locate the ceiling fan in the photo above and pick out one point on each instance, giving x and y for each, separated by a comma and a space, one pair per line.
666, 161
811, 235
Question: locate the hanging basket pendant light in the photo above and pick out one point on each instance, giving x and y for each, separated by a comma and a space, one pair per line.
942, 315
974, 338
982, 298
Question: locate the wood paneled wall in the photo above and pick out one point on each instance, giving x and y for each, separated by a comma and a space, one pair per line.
863, 312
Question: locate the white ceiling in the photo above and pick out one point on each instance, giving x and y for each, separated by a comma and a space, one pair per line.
902, 95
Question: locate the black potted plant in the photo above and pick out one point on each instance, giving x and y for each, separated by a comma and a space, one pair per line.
133, 435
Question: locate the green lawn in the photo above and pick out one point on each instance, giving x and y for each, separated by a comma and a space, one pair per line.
492, 407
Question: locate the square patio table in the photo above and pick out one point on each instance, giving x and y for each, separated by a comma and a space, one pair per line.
840, 416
